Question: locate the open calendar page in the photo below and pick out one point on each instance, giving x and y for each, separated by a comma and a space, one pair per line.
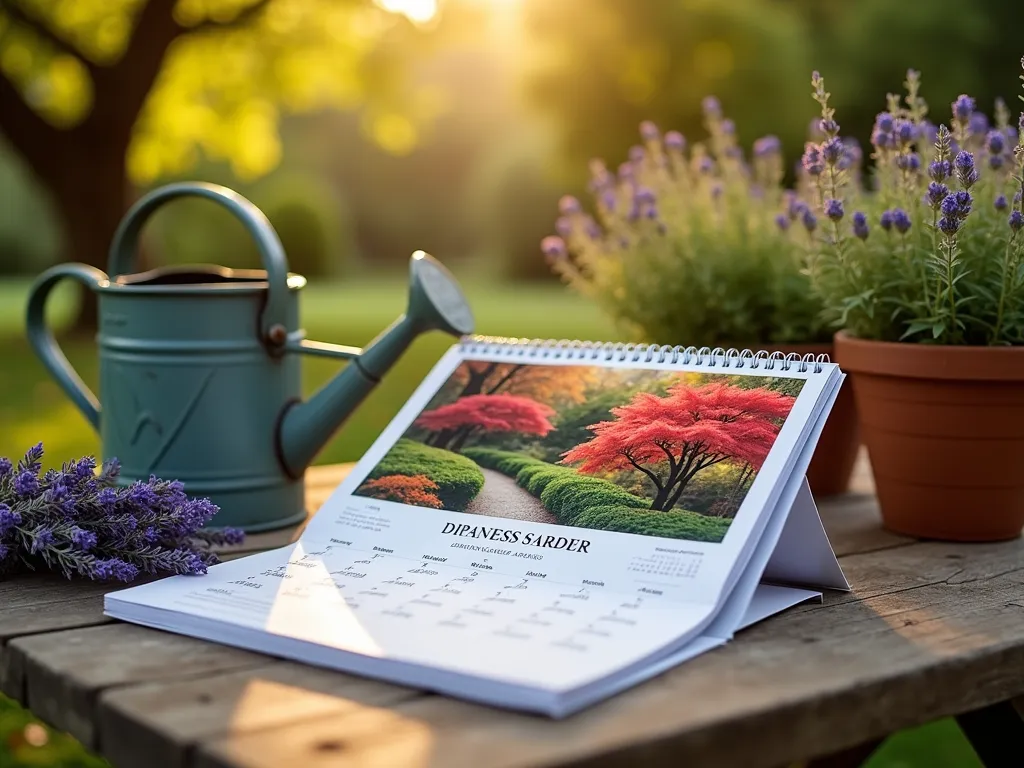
538, 528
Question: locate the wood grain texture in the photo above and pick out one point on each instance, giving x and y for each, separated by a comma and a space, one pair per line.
929, 630
926, 635
63, 672
158, 725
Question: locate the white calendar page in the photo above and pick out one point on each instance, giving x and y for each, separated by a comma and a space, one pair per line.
606, 556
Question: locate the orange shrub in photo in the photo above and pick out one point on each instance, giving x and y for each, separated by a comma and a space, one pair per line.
416, 490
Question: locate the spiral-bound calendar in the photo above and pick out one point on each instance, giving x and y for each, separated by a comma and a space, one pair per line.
544, 523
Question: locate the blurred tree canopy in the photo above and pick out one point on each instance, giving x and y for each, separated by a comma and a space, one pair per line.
602, 66
100, 95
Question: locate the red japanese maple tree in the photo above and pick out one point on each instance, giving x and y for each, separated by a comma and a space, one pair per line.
417, 490
672, 438
454, 423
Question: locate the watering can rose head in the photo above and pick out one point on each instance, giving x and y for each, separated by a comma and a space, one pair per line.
200, 370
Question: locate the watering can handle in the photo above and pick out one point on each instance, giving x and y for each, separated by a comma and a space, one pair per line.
122, 249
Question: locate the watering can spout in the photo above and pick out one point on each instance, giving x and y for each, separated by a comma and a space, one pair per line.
435, 303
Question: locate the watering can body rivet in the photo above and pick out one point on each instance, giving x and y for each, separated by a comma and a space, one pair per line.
190, 393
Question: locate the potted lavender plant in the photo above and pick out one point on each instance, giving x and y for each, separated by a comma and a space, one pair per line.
684, 246
924, 275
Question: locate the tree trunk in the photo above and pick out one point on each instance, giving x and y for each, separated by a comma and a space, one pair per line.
91, 198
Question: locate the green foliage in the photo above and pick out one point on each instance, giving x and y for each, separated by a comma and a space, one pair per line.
534, 479
569, 496
953, 273
673, 525
29, 237
685, 248
459, 480
310, 219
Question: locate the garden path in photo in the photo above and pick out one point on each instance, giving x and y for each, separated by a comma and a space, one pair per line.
501, 497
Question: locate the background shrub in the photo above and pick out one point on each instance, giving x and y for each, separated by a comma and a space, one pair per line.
458, 479
535, 478
569, 496
672, 525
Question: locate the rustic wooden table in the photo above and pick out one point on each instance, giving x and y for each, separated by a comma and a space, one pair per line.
930, 630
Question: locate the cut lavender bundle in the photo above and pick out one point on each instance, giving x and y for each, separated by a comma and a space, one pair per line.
79, 522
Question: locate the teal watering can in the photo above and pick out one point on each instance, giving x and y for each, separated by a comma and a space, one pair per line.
200, 377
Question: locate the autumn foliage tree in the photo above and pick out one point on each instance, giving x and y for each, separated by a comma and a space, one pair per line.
451, 425
672, 438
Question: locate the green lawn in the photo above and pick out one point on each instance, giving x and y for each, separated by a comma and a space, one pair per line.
32, 408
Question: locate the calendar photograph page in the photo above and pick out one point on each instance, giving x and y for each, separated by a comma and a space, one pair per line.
658, 453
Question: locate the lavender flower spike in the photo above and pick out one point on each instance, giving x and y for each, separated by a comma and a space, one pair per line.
834, 210
674, 141
901, 221
886, 220
860, 225
569, 205
649, 131
963, 107
553, 248
1000, 203
1016, 221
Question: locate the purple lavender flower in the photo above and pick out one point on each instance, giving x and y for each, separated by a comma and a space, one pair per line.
766, 146
964, 202
85, 468
1016, 221
949, 207
649, 131
966, 173
963, 107
637, 154
832, 151
112, 568
884, 122
995, 142
977, 124
5, 467
82, 539
828, 127
644, 196
26, 484
908, 162
728, 127
901, 221
711, 107
834, 209
553, 248
107, 498
860, 225
940, 170
852, 153
937, 193
563, 226
905, 131
885, 221
881, 139
782, 222
809, 220
948, 226
9, 519
812, 160
675, 141
42, 538
568, 205
1000, 203
625, 171
716, 190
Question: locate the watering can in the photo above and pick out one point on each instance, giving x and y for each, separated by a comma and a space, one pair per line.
200, 376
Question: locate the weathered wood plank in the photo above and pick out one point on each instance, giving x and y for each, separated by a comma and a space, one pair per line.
933, 636
157, 725
63, 672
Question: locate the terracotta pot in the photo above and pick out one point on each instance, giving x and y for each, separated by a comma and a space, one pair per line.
832, 464
944, 428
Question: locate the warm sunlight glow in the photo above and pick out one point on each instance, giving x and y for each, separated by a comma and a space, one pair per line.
418, 11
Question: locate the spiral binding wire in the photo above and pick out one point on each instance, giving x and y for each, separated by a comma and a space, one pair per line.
574, 349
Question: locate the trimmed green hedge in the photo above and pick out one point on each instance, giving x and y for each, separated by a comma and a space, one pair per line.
458, 478
590, 502
672, 525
